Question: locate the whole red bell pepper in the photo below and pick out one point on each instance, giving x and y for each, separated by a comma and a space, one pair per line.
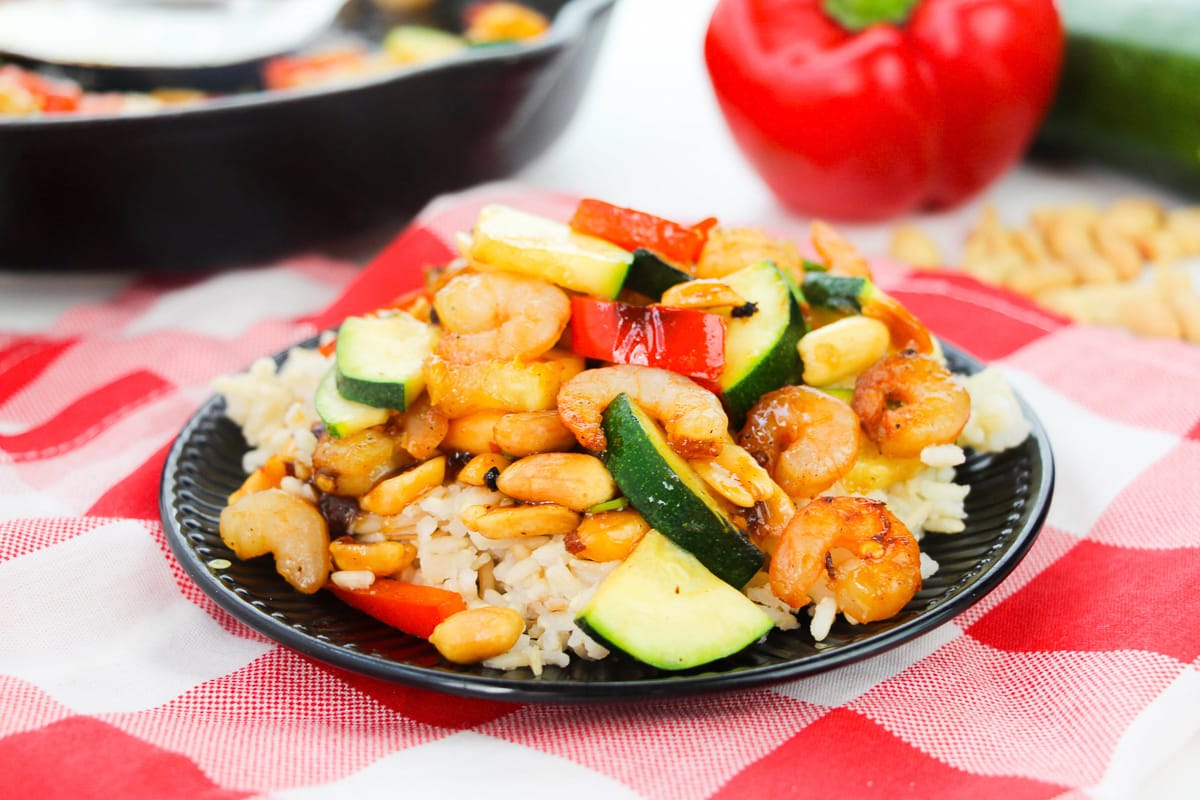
682, 340
865, 109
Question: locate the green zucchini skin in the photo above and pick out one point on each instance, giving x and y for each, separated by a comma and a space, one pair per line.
760, 350
344, 417
379, 360
1128, 95
651, 276
835, 292
671, 497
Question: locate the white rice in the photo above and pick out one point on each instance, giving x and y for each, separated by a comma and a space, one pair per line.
275, 408
537, 576
996, 423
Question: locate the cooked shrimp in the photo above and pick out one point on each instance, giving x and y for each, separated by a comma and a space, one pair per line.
499, 315
730, 249
870, 559
805, 438
840, 256
695, 422
422, 428
908, 401
904, 329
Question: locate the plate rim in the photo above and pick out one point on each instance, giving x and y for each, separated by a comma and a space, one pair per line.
667, 684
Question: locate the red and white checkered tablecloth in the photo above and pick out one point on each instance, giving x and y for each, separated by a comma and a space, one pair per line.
1077, 677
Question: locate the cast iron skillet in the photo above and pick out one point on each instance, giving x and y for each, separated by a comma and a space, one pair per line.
252, 177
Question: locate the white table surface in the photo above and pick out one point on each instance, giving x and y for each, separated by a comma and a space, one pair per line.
649, 135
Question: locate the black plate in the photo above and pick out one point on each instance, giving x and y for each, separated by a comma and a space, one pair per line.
254, 177
1009, 498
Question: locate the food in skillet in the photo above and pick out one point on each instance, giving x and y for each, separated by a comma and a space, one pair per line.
26, 92
614, 433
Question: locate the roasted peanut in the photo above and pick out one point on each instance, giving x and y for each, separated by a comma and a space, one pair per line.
1146, 313
274, 521
472, 433
1184, 225
476, 470
477, 634
1031, 248
996, 269
702, 293
911, 245
392, 495
1160, 246
507, 522
1120, 251
1069, 239
607, 536
528, 432
1175, 287
842, 349
1092, 268
1132, 216
575, 480
379, 558
1040, 277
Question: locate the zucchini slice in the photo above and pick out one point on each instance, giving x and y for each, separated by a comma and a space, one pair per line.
661, 606
651, 276
672, 497
379, 359
760, 350
344, 417
511, 240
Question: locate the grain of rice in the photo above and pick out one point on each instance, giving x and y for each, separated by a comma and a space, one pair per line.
823, 616
943, 455
353, 578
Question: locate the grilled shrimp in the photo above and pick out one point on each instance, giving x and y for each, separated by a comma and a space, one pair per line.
870, 560
499, 315
841, 257
908, 401
805, 438
695, 422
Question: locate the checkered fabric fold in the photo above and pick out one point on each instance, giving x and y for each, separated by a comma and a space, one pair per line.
1076, 677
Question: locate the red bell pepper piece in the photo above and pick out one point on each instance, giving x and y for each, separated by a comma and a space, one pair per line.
290, 72
865, 110
682, 340
632, 229
416, 610
48, 94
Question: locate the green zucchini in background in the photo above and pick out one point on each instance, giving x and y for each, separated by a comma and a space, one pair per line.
1129, 95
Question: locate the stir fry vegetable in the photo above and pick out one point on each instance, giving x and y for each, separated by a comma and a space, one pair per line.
684, 471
